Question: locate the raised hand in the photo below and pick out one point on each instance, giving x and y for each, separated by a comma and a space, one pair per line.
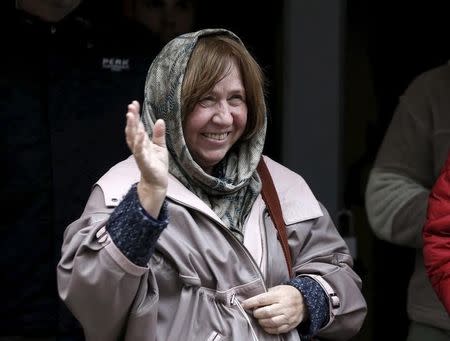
279, 310
151, 157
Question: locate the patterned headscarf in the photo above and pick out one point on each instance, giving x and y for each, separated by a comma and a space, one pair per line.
230, 195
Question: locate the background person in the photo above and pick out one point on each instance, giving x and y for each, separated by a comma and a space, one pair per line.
63, 75
408, 163
163, 19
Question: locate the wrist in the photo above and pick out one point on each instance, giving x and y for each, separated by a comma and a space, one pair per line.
151, 198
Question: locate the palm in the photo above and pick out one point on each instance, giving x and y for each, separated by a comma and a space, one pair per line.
151, 155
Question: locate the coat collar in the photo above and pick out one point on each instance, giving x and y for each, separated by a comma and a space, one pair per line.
297, 201
118, 180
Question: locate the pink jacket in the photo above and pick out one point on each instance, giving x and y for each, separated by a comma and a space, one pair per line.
193, 285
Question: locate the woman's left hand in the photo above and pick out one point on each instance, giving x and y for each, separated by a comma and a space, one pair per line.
279, 310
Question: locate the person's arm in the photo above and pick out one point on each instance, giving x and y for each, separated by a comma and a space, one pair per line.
396, 207
317, 306
398, 185
324, 298
98, 279
436, 236
103, 275
133, 230
326, 260
137, 222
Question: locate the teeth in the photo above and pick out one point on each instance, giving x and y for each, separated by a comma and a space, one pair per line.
221, 136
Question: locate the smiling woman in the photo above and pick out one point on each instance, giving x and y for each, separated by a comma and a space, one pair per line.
217, 121
217, 111
180, 227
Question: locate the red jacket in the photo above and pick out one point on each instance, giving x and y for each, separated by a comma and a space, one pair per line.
436, 236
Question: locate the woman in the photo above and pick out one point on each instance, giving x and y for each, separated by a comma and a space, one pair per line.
189, 251
436, 236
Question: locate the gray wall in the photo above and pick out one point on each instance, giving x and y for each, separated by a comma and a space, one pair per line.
312, 94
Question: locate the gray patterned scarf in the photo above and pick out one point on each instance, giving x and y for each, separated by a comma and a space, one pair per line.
230, 195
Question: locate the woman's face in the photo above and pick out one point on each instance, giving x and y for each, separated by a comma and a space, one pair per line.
217, 121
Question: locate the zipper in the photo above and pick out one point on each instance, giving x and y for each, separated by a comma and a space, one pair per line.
215, 336
234, 301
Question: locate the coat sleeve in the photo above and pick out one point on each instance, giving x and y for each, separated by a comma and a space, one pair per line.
101, 286
399, 183
436, 236
319, 252
324, 256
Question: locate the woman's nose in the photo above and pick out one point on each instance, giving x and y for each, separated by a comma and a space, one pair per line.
223, 115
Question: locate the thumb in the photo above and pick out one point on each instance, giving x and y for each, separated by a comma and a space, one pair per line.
159, 133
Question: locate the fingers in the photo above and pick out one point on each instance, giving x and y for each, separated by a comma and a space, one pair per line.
260, 300
135, 131
279, 330
139, 145
279, 310
272, 321
133, 111
159, 133
267, 311
132, 124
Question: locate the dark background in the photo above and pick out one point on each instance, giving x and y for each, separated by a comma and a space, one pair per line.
385, 45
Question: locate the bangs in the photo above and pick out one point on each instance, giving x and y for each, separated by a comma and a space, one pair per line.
209, 63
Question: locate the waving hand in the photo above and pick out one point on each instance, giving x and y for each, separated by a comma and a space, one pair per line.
151, 157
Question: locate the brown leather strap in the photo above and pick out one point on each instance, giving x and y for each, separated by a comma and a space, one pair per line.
272, 201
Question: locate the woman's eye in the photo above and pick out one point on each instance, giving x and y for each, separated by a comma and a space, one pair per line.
236, 100
207, 101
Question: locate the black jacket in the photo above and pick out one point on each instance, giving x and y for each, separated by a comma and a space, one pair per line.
64, 90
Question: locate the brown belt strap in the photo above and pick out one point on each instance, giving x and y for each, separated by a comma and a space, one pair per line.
272, 201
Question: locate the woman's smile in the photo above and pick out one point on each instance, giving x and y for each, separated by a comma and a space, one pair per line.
216, 136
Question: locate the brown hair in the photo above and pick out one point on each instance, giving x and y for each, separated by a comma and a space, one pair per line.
209, 61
